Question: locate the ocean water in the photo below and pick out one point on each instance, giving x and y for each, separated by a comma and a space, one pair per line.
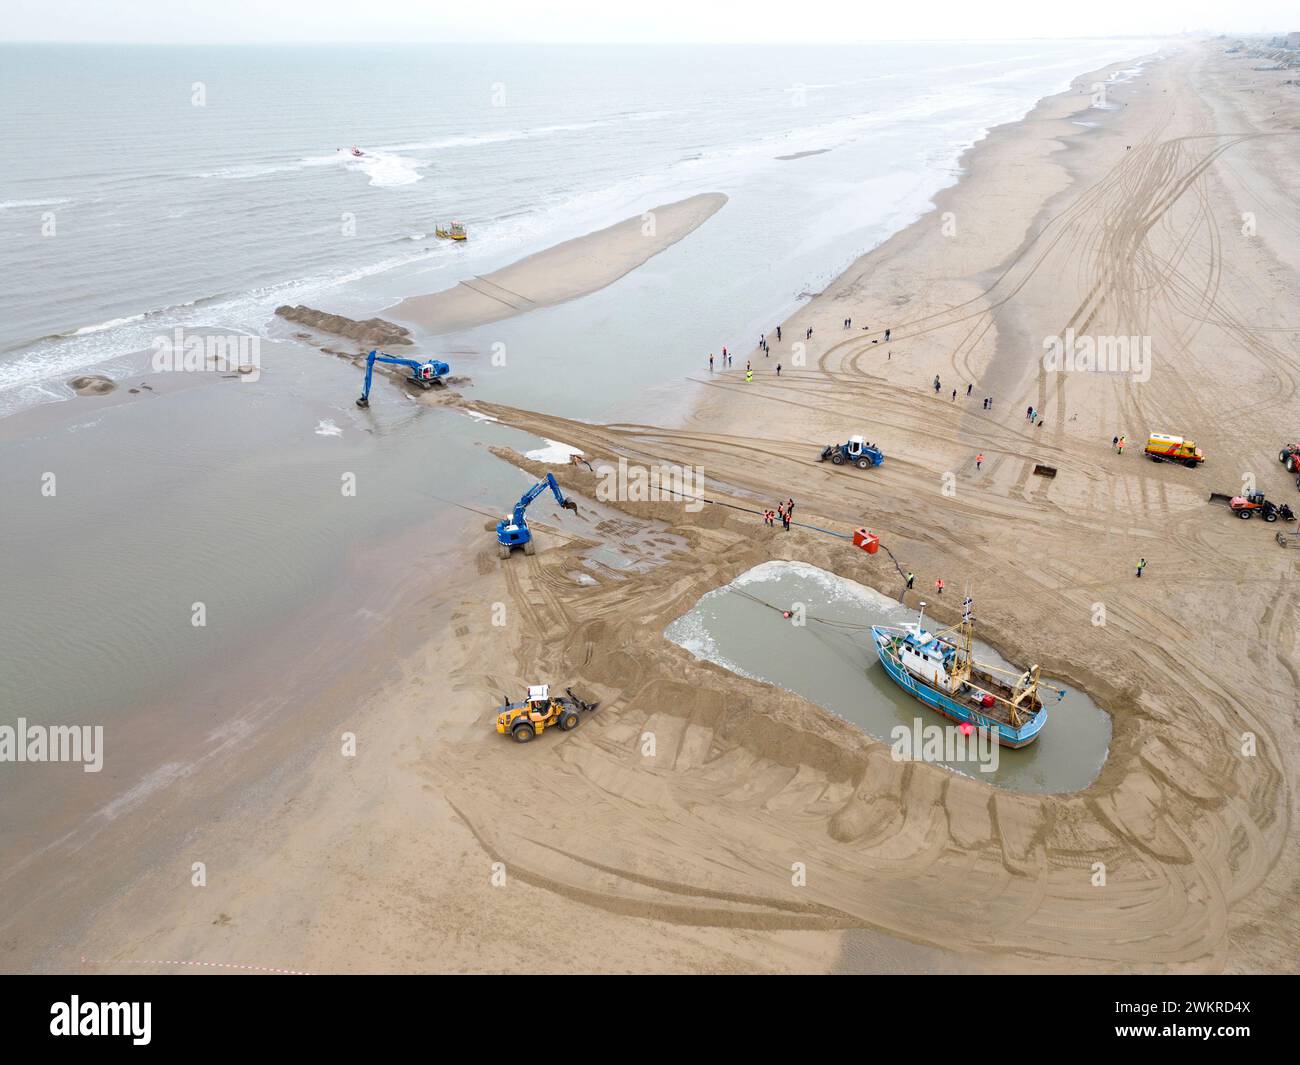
148, 187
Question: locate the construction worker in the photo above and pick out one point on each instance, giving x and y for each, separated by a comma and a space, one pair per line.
936, 384
911, 579
979, 460
1142, 564
778, 369
749, 375
1122, 442
710, 362
938, 585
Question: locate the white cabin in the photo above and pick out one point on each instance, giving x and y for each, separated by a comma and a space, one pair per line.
925, 657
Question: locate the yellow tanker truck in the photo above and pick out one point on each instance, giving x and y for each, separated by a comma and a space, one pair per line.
1164, 448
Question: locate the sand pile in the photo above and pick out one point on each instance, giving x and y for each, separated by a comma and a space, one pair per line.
369, 333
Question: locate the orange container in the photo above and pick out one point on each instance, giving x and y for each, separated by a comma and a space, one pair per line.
867, 540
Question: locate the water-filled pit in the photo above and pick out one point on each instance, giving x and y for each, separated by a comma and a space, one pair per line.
830, 660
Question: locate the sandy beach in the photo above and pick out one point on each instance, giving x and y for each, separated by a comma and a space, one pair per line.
443, 846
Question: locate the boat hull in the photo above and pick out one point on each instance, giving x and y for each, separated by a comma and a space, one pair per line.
941, 703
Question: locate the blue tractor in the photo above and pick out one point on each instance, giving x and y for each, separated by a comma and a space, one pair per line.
512, 530
860, 452
423, 374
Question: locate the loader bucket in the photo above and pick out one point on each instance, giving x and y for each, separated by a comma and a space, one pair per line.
581, 704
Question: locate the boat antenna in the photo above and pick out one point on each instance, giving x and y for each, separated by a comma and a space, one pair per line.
920, 618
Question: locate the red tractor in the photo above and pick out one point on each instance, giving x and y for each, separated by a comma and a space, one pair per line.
1289, 456
1249, 505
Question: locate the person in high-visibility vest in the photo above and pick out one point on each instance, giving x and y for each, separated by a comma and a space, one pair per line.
938, 585
979, 460
749, 375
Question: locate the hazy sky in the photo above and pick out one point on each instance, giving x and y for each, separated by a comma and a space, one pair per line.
625, 20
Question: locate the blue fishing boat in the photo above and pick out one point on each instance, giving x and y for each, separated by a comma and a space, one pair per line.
940, 671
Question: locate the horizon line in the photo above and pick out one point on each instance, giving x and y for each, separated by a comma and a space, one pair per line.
599, 44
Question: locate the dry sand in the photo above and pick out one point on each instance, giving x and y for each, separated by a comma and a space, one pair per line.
616, 859
563, 272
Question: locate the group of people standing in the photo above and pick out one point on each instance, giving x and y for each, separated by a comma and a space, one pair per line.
783, 511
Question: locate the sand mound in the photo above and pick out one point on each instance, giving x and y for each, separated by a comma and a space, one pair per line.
370, 333
563, 272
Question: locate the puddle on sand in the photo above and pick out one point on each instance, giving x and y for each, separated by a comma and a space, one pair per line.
630, 547
835, 666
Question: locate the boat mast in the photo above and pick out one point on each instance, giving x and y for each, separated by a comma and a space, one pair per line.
961, 665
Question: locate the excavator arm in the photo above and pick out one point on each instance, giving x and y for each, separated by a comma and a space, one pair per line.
536, 490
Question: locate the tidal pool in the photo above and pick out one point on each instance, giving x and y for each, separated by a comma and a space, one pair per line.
830, 661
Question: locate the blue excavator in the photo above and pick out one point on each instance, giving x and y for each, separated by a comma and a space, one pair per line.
512, 530
423, 374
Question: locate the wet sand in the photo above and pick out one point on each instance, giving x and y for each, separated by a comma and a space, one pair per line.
704, 822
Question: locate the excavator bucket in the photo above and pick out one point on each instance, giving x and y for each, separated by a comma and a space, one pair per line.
569, 504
